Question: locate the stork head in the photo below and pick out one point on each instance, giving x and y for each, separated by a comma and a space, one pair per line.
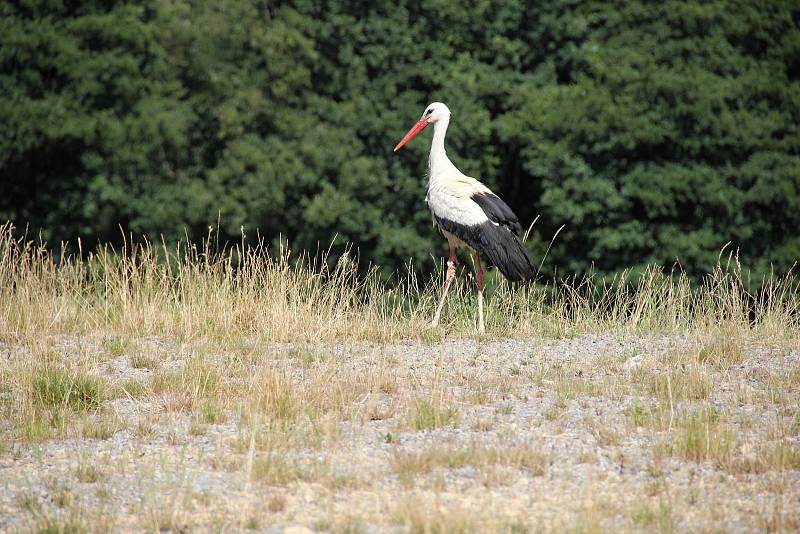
435, 112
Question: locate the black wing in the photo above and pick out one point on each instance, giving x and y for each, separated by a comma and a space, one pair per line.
497, 211
498, 243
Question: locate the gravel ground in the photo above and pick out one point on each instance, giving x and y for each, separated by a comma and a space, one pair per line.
567, 400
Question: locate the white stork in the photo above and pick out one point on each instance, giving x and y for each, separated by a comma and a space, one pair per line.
468, 213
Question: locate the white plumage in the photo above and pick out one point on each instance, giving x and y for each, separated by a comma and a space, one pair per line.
448, 201
467, 212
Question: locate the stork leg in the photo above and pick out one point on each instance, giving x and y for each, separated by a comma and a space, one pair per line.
479, 278
451, 273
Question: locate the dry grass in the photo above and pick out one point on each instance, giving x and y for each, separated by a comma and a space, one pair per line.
144, 361
197, 293
273, 468
705, 434
196, 386
408, 465
102, 426
180, 351
418, 516
88, 473
679, 381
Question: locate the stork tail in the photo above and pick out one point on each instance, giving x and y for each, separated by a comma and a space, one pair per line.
506, 251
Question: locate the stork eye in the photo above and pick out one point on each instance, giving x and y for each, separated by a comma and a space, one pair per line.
429, 111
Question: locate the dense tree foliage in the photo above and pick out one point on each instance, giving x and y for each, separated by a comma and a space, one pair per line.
654, 132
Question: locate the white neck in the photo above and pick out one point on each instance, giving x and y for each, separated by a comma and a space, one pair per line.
438, 162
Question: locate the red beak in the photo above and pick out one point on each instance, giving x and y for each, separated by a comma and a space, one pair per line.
417, 128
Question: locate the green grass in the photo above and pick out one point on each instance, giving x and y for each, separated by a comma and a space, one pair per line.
428, 413
211, 411
56, 387
131, 387
657, 516
116, 346
702, 434
50, 397
59, 525
28, 501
